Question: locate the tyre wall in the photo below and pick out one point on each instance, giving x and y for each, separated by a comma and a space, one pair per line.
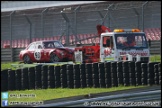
97, 75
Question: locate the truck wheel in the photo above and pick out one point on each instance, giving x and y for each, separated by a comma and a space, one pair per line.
26, 59
54, 58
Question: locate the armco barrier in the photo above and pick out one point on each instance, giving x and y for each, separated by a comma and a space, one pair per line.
108, 74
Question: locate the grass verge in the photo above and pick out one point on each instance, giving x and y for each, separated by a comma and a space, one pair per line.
47, 94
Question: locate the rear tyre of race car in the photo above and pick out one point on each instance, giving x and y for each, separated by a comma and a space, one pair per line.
54, 58
27, 59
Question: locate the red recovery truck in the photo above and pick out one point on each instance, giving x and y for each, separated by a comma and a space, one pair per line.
117, 45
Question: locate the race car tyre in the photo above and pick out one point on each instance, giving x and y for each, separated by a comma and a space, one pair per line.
27, 59
54, 58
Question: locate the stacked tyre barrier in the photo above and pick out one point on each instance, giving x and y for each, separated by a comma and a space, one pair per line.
97, 75
51, 77
57, 76
31, 74
151, 74
114, 81
120, 73
138, 73
125, 73
108, 74
11, 80
156, 78
4, 80
132, 79
63, 76
24, 79
82, 76
88, 71
38, 82
76, 76
44, 76
144, 73
70, 79
159, 70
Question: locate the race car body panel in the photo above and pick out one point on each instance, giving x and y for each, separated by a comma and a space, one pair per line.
46, 51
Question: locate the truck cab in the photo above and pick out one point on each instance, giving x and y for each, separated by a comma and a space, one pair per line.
124, 44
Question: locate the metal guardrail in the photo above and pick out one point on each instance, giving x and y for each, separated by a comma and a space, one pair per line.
154, 98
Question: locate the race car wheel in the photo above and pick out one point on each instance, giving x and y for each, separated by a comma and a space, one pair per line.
26, 59
54, 58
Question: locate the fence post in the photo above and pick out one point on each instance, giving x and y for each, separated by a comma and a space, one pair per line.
11, 14
143, 15
42, 20
29, 21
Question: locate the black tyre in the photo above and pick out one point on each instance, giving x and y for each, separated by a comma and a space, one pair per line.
54, 58
26, 59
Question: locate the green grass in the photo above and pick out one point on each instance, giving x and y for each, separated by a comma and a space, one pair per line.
6, 65
155, 58
47, 94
